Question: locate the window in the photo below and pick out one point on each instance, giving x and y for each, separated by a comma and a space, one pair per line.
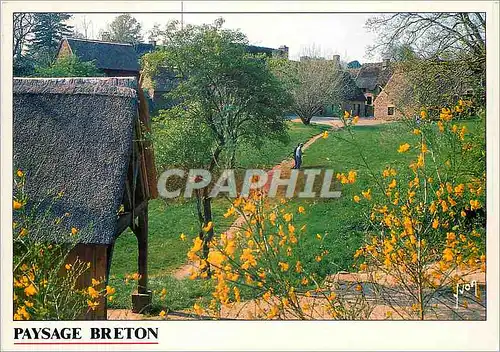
368, 100
390, 110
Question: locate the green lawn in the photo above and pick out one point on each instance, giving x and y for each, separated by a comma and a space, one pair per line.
167, 220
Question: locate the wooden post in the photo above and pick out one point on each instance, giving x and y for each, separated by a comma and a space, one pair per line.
142, 299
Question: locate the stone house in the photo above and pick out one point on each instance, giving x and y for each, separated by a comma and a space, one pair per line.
371, 78
390, 103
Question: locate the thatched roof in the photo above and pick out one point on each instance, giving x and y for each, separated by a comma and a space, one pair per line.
107, 56
372, 75
350, 90
75, 135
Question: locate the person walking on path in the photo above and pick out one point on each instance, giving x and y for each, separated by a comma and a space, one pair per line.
297, 155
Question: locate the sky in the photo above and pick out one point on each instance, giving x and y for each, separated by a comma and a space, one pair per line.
333, 33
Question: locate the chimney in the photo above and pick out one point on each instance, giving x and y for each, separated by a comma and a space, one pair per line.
336, 60
284, 51
385, 63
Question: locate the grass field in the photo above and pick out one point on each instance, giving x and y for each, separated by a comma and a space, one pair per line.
341, 219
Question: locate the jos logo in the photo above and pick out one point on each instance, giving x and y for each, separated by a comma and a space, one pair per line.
462, 288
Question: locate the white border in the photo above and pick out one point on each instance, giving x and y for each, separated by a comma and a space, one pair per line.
293, 336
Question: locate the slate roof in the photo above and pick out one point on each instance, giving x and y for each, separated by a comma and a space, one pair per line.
106, 55
372, 75
255, 49
75, 135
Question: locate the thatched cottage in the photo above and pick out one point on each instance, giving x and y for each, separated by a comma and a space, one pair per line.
114, 59
84, 136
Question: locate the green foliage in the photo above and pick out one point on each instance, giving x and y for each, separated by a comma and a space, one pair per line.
123, 29
354, 64
68, 66
48, 31
230, 95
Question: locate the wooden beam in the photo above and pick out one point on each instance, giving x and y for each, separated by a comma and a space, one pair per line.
125, 220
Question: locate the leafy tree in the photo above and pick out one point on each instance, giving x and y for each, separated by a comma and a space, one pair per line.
313, 83
353, 64
438, 35
123, 29
225, 96
68, 66
48, 31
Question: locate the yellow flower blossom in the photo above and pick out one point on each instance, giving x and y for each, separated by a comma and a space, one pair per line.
403, 148
367, 194
301, 210
74, 231
162, 314
208, 226
30, 290
283, 266
346, 115
16, 205
19, 173
325, 135
92, 305
416, 131
68, 266
356, 199
110, 290
197, 309
298, 267
355, 120
474, 204
182, 237
92, 292
435, 223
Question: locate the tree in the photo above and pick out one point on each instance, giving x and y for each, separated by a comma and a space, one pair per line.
313, 82
123, 29
225, 96
24, 23
353, 64
48, 31
68, 66
439, 35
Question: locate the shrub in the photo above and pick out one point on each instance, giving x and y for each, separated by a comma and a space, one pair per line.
46, 284
426, 226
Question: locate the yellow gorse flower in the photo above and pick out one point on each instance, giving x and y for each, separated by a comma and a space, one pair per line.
30, 290
403, 148
208, 226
